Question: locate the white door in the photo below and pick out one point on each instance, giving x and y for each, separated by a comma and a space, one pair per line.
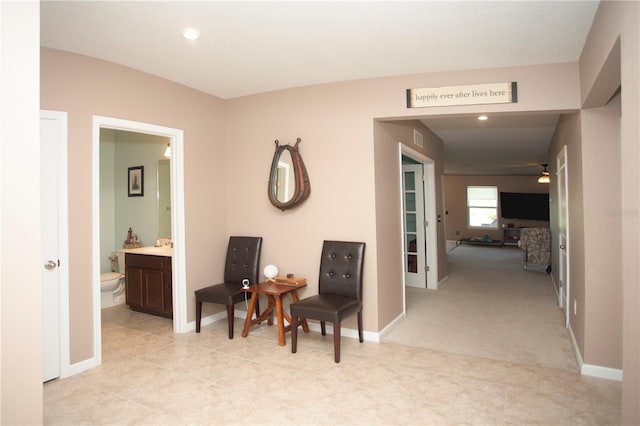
53, 128
563, 233
414, 226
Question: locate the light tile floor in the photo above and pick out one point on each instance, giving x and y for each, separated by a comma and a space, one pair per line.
151, 376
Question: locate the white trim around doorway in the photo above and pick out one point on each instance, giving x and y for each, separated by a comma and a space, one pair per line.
176, 137
430, 215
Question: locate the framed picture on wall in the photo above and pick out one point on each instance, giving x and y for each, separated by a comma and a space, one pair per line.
136, 181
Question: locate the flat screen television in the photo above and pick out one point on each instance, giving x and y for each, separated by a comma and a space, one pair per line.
520, 205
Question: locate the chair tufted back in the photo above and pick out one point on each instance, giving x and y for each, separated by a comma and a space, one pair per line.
243, 259
341, 269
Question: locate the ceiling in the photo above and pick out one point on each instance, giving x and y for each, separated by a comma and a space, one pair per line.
253, 47
502, 145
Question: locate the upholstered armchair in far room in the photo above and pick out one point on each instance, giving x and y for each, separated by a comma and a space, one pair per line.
536, 247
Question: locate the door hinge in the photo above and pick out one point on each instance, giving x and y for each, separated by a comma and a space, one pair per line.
426, 223
426, 268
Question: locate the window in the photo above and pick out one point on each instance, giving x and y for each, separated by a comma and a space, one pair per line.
482, 206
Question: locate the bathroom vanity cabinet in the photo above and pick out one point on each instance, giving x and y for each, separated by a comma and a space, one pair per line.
148, 284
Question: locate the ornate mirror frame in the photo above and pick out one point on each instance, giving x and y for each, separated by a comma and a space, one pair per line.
302, 187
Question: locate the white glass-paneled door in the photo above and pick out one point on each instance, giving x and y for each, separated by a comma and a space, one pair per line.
563, 233
414, 226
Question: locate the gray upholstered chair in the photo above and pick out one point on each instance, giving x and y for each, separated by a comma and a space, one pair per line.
243, 262
339, 292
535, 243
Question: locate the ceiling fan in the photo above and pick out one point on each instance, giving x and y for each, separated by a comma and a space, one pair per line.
544, 175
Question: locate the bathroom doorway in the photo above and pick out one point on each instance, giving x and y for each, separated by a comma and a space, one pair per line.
176, 208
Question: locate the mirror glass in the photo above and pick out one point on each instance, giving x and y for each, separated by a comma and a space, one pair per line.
284, 182
288, 181
164, 199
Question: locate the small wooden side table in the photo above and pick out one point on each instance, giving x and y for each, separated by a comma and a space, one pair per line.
274, 293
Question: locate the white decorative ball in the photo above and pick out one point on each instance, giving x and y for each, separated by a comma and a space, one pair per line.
270, 271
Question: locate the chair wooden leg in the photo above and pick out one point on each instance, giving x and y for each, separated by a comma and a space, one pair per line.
230, 319
198, 315
294, 334
336, 341
323, 329
360, 334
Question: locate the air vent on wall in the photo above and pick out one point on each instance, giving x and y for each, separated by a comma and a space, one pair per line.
417, 138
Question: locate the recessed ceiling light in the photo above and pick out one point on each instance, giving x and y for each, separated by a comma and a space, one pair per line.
483, 118
191, 34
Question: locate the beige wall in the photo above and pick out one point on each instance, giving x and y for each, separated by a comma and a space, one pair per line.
455, 189
345, 164
20, 266
228, 149
568, 133
601, 179
337, 150
390, 267
619, 21
84, 87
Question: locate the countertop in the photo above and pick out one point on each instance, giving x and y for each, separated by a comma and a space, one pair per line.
152, 251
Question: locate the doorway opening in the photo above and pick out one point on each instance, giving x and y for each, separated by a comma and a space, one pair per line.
176, 165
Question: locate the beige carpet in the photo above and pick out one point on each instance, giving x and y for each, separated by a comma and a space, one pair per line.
489, 307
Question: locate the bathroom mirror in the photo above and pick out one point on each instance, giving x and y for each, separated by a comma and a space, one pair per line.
164, 199
288, 181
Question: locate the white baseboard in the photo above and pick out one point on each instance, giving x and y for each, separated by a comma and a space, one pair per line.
442, 281
593, 370
369, 336
601, 372
209, 319
352, 333
391, 326
81, 366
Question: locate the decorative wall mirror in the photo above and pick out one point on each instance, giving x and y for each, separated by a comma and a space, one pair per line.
164, 199
288, 182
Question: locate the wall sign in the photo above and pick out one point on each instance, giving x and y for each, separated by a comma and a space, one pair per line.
478, 94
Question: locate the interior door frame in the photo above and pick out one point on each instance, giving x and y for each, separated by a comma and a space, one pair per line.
176, 137
563, 191
430, 214
63, 238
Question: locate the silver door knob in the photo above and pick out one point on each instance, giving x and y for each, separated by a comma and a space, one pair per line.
50, 264
562, 246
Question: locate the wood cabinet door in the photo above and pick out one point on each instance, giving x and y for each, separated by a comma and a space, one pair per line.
148, 286
154, 292
168, 287
133, 286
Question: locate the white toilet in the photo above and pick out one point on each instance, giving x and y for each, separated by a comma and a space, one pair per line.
112, 285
